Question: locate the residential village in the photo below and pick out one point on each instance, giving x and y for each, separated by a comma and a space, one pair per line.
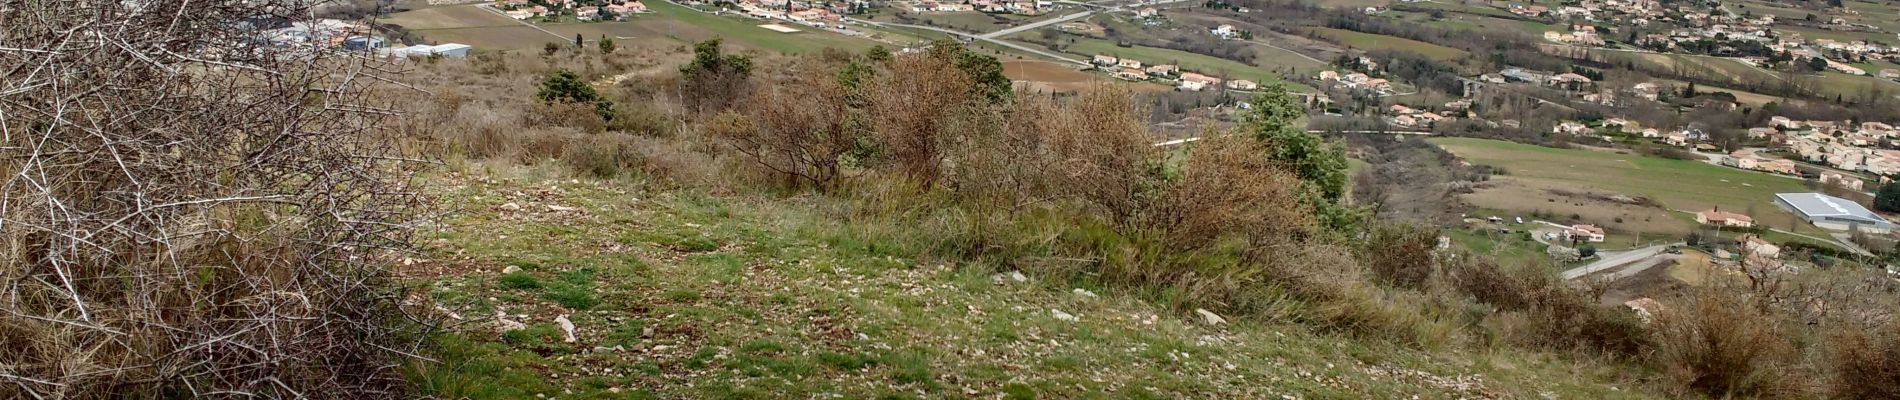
1135, 70
1755, 39
582, 10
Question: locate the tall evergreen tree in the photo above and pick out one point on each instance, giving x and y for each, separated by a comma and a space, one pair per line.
1275, 118
1888, 198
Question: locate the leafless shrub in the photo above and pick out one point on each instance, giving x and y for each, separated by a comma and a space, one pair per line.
1721, 341
186, 214
1228, 189
912, 105
796, 128
1091, 151
1864, 364
1401, 255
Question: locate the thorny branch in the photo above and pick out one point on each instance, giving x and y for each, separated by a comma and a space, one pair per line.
188, 209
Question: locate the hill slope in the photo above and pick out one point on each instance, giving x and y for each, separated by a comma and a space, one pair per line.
676, 294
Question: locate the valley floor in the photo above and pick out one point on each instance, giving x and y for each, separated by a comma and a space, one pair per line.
676, 294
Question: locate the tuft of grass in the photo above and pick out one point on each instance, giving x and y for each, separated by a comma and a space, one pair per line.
578, 297
519, 280
846, 361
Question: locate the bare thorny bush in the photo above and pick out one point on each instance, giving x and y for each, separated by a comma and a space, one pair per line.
186, 213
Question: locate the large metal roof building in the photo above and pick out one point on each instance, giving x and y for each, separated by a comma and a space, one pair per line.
1834, 213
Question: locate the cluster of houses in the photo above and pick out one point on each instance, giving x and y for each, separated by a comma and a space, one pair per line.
585, 10
1135, 70
321, 33
1579, 34
1704, 26
1841, 145
989, 6
1567, 80
1355, 81
829, 15
1408, 117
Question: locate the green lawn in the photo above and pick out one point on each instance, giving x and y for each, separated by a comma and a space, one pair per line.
1367, 41
1677, 184
1509, 248
1204, 64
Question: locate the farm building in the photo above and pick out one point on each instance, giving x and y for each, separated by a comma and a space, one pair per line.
1831, 212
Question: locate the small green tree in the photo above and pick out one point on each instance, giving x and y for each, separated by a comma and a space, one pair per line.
878, 53
985, 71
606, 45
714, 80
1275, 119
550, 48
564, 86
1888, 198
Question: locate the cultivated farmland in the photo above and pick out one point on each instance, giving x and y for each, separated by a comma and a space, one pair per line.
1367, 41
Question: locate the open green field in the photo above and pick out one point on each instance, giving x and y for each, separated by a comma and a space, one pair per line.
1851, 86
1204, 64
1839, 36
1475, 23
1367, 41
1676, 184
1466, 9
485, 30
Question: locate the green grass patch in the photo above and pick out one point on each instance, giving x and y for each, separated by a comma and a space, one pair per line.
518, 280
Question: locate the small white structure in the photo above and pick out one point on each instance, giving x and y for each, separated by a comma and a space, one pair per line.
449, 50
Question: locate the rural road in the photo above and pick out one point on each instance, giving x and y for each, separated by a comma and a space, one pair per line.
1186, 140
1012, 45
1037, 24
1616, 260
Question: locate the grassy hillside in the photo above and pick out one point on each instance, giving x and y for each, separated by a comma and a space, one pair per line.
680, 294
